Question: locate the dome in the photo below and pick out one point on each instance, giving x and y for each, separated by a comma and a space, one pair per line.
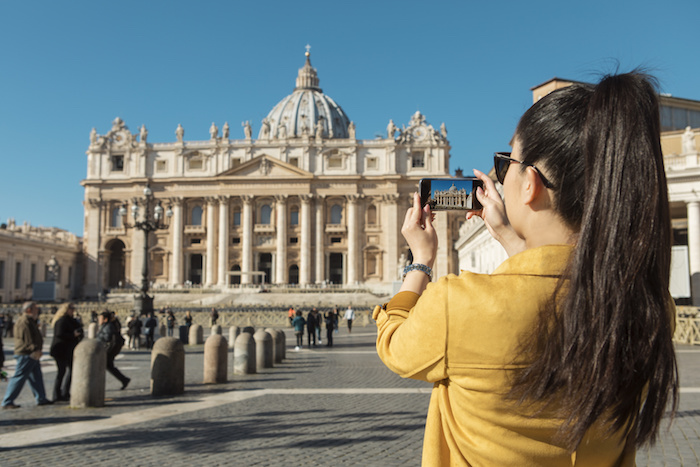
301, 111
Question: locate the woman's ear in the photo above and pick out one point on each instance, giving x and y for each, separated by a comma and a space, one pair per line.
532, 186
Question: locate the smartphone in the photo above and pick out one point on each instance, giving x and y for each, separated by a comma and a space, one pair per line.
450, 194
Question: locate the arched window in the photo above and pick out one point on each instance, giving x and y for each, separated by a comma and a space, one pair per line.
116, 220
372, 215
336, 214
265, 214
294, 216
196, 215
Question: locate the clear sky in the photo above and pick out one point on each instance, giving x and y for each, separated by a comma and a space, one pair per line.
69, 66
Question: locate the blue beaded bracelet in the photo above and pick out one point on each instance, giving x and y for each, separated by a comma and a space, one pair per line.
417, 267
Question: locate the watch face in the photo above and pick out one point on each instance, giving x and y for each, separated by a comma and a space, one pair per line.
419, 133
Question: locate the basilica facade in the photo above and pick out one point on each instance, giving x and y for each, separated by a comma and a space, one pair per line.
305, 202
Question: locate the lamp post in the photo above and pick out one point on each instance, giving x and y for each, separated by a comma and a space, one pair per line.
149, 222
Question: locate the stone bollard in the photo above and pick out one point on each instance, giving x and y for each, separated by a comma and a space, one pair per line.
87, 388
249, 329
233, 333
92, 331
216, 329
264, 352
284, 343
276, 345
162, 330
167, 367
215, 359
244, 355
196, 336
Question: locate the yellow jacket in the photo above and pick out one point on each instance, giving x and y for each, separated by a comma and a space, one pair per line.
463, 334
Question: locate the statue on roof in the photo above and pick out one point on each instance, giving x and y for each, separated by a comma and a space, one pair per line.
247, 130
179, 133
213, 131
391, 129
688, 141
225, 131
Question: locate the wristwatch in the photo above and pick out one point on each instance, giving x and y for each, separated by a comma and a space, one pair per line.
417, 267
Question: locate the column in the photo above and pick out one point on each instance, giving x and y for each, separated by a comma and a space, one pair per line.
305, 267
391, 222
223, 240
176, 228
320, 239
211, 241
353, 249
281, 256
247, 241
693, 209
93, 269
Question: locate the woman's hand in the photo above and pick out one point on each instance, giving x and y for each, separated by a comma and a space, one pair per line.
494, 215
419, 233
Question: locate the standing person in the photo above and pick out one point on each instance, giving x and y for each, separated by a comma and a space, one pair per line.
319, 322
28, 344
311, 323
9, 325
151, 325
298, 324
564, 353
349, 317
67, 333
113, 342
329, 328
188, 319
214, 316
291, 314
170, 322
135, 326
336, 318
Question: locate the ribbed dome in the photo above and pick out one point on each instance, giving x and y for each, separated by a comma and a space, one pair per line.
302, 110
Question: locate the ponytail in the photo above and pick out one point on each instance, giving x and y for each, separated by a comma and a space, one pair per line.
604, 346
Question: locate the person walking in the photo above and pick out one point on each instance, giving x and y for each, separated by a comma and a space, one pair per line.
298, 324
564, 354
170, 322
28, 344
319, 322
67, 333
349, 317
113, 342
134, 331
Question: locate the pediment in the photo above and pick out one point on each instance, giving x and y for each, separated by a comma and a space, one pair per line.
266, 166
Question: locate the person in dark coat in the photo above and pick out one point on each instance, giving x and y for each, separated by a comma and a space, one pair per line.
110, 335
67, 332
135, 332
151, 325
311, 323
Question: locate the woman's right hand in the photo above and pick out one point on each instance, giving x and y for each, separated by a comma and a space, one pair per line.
494, 215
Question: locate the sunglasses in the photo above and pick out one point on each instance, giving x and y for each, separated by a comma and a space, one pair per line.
501, 162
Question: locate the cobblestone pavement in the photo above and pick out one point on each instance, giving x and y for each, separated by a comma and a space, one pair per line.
320, 406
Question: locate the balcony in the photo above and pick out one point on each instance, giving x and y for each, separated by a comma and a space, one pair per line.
195, 229
264, 228
335, 228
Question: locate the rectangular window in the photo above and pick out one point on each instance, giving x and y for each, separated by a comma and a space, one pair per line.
18, 275
294, 161
196, 164
161, 166
32, 273
236, 217
417, 160
2, 274
372, 163
236, 240
335, 162
235, 162
118, 163
294, 217
293, 240
336, 240
70, 277
195, 241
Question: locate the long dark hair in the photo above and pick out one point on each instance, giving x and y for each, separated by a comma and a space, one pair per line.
603, 348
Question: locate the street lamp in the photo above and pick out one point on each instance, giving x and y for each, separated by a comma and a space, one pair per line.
150, 222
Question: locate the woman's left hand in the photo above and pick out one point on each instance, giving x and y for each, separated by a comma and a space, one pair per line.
418, 231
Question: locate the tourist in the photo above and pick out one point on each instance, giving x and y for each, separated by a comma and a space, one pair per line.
150, 332
311, 323
134, 332
170, 322
563, 355
28, 344
111, 337
298, 324
349, 317
330, 319
67, 332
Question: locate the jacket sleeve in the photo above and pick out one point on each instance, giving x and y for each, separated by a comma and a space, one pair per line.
412, 333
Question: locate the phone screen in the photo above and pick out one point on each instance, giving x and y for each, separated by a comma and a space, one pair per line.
450, 194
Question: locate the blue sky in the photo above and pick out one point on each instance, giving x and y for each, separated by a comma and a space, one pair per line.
73, 65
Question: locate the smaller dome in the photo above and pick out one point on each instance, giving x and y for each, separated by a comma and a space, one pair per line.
301, 112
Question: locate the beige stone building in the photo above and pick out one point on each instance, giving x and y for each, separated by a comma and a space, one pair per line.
680, 140
305, 202
29, 255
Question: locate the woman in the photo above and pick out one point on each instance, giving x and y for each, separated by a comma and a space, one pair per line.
563, 354
170, 322
67, 332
